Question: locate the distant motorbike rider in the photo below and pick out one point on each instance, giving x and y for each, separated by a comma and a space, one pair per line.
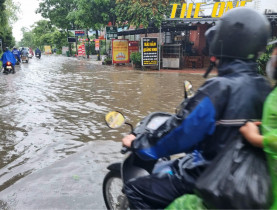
31, 52
7, 56
200, 128
38, 52
24, 52
16, 54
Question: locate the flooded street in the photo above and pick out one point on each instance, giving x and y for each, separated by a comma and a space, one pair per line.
55, 145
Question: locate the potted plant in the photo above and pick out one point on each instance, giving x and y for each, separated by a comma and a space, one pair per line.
108, 61
136, 59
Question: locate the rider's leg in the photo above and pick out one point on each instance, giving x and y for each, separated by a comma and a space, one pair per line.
158, 190
155, 191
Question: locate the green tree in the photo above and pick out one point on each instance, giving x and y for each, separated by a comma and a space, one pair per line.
11, 11
93, 14
59, 39
27, 39
264, 58
5, 30
43, 33
57, 12
142, 12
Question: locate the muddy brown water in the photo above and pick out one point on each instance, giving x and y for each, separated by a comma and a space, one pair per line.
55, 145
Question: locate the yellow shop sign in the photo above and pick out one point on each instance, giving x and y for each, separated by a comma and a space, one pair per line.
219, 8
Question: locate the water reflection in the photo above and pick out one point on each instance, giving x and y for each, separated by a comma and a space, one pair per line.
53, 106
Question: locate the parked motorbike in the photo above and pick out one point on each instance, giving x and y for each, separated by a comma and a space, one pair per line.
8, 68
132, 166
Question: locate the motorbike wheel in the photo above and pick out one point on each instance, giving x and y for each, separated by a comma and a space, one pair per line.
112, 191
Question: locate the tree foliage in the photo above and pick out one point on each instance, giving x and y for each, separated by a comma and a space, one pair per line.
93, 14
5, 29
57, 12
264, 58
142, 12
11, 11
43, 33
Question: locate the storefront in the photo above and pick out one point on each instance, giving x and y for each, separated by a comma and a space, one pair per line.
183, 41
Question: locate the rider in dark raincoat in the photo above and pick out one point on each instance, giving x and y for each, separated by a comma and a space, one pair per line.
202, 128
16, 54
7, 56
38, 52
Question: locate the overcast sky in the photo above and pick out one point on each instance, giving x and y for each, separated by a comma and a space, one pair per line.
27, 17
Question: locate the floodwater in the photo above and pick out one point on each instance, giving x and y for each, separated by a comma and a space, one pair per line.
55, 145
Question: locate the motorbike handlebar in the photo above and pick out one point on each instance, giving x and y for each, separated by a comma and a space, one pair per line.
124, 150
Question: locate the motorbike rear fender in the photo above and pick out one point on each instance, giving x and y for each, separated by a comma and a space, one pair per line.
114, 167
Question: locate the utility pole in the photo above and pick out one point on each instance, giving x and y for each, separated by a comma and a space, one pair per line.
88, 45
76, 45
160, 42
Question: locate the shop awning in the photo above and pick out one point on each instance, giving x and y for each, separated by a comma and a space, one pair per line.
182, 24
179, 27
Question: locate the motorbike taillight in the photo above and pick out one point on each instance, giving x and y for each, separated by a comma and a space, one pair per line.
9, 63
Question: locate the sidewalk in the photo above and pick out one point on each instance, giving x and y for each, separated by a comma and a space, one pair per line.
184, 70
93, 59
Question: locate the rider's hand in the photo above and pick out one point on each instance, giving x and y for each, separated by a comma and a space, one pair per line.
252, 134
127, 140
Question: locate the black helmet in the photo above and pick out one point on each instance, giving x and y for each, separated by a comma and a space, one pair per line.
240, 33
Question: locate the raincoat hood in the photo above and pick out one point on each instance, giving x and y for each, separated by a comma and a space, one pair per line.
237, 66
8, 56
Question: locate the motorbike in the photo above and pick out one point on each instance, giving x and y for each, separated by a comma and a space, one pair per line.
133, 166
17, 61
38, 55
25, 59
8, 68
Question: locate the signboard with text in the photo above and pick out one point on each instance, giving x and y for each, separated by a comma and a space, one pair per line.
111, 32
47, 49
71, 39
149, 51
120, 50
80, 33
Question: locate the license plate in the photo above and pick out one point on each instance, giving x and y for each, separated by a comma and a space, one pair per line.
9, 67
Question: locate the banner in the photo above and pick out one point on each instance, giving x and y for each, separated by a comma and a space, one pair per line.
47, 50
97, 44
64, 50
81, 50
133, 47
149, 51
120, 51
82, 40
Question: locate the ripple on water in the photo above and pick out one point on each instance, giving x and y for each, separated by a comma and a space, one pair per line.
52, 107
